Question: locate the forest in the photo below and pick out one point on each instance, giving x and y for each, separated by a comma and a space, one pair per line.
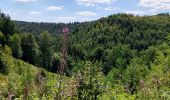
118, 57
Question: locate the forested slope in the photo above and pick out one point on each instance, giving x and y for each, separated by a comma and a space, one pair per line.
118, 38
21, 80
37, 28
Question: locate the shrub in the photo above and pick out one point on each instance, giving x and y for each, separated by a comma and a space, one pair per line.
91, 83
2, 39
135, 72
4, 68
7, 50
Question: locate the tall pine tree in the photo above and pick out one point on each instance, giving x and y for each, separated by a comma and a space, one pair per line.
30, 49
16, 46
46, 52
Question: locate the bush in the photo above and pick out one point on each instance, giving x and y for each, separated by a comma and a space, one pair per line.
91, 81
3, 65
55, 63
2, 39
135, 72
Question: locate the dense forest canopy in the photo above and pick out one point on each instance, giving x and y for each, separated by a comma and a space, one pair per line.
113, 40
37, 28
119, 56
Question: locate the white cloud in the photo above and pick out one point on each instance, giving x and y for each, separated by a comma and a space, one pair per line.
135, 12
156, 4
55, 7
86, 13
93, 2
114, 9
26, 1
35, 13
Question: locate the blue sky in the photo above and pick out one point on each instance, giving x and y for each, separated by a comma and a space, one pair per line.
78, 10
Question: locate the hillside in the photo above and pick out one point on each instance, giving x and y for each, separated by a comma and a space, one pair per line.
99, 39
121, 56
36, 28
42, 84
16, 75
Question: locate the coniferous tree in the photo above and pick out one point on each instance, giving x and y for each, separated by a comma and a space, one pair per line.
16, 46
6, 26
46, 52
30, 48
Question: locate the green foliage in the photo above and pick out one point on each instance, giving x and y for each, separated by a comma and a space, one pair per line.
77, 52
7, 50
37, 28
5, 62
55, 62
98, 54
116, 93
101, 39
114, 76
21, 80
2, 39
14, 85
4, 67
91, 82
132, 51
6, 26
149, 55
30, 48
16, 46
46, 52
27, 76
118, 57
135, 72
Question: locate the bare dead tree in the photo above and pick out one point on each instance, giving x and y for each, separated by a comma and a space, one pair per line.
10, 95
64, 48
63, 63
40, 78
26, 91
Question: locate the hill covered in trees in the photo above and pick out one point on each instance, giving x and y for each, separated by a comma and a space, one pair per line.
37, 28
95, 40
121, 56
